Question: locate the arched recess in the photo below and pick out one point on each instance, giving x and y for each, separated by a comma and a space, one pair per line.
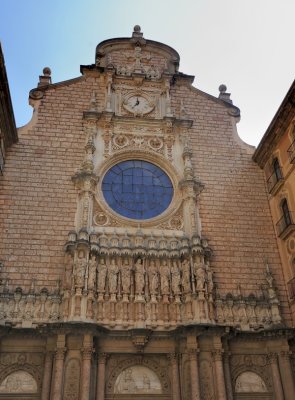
18, 383
138, 378
250, 385
28, 370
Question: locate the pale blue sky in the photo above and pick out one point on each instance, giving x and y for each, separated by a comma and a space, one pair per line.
248, 45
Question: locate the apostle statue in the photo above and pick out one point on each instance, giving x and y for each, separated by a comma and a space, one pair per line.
102, 273
139, 276
113, 276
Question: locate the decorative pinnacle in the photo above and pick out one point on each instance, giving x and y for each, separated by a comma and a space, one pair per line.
46, 71
223, 95
137, 32
45, 79
222, 88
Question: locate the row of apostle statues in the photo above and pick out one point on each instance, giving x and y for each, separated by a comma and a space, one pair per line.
137, 276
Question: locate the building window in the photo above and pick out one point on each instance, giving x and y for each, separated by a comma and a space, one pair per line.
285, 225
286, 212
276, 177
277, 169
137, 189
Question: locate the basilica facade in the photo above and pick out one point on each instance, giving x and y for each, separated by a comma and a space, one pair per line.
138, 255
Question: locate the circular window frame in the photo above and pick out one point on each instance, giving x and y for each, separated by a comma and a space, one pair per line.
158, 161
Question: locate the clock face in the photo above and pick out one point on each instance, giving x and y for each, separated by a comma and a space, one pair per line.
138, 105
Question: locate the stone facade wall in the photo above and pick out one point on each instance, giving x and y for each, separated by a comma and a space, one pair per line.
39, 200
190, 304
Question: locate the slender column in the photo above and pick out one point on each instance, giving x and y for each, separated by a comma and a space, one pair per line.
58, 368
276, 378
227, 376
100, 383
46, 382
195, 380
173, 357
87, 351
221, 391
287, 376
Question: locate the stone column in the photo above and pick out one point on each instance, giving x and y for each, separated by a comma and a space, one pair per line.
227, 375
58, 368
173, 357
276, 378
219, 373
46, 382
194, 368
100, 382
87, 351
287, 375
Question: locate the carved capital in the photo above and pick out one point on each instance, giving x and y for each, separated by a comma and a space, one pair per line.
217, 354
193, 353
272, 358
173, 357
87, 353
102, 358
285, 354
60, 353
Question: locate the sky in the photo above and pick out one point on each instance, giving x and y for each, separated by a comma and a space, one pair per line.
247, 45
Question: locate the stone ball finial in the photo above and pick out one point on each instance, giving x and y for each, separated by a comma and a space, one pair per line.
222, 88
137, 28
46, 71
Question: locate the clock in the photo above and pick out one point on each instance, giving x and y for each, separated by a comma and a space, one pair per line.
138, 104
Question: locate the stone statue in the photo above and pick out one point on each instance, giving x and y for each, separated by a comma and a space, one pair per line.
186, 276
102, 273
113, 276
92, 272
126, 272
210, 284
165, 275
68, 272
153, 278
80, 270
175, 278
139, 276
200, 275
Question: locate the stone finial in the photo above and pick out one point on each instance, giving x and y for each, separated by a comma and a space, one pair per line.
223, 95
45, 79
137, 31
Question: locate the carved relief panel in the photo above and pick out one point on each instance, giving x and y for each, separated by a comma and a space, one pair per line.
137, 376
72, 380
21, 374
251, 375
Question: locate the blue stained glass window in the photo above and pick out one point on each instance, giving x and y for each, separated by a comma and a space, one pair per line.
137, 189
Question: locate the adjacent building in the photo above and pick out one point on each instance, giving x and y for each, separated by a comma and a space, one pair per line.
138, 254
276, 156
